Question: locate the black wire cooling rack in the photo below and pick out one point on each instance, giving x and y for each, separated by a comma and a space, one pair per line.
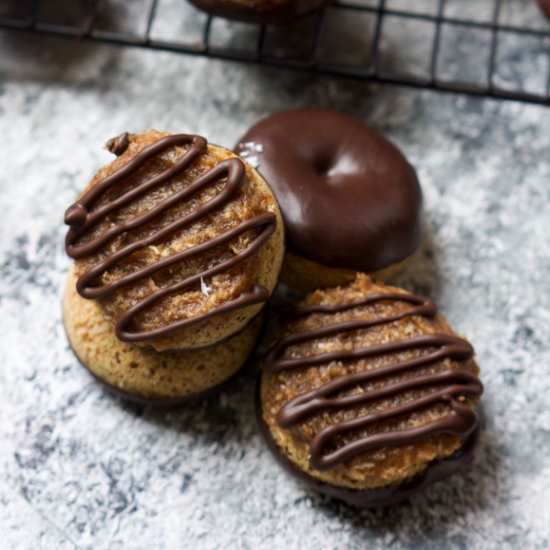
494, 48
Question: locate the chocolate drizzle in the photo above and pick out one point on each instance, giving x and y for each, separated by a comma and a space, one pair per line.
450, 386
81, 217
118, 144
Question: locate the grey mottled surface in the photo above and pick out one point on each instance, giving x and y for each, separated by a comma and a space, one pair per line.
81, 469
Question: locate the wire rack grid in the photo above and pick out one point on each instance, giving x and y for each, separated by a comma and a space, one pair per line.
494, 48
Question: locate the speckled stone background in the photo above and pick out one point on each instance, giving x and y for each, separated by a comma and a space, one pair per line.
80, 469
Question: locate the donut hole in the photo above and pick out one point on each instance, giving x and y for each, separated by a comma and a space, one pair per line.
322, 165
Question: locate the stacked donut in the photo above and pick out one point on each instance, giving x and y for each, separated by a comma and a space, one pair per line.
365, 391
177, 246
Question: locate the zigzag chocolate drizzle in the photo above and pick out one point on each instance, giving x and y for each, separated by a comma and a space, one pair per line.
81, 217
460, 382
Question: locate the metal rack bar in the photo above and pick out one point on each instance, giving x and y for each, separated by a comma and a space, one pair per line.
494, 43
151, 18
309, 59
375, 46
434, 54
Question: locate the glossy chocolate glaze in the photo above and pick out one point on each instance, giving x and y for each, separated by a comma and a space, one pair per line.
371, 498
449, 387
545, 7
349, 198
260, 11
81, 217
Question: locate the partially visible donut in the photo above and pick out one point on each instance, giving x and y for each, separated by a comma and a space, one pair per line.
259, 11
349, 198
545, 7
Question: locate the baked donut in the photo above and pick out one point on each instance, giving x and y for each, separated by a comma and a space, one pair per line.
350, 200
179, 241
545, 7
368, 394
259, 11
177, 246
141, 374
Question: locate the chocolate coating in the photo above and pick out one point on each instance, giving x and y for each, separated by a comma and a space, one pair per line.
349, 198
371, 498
259, 11
545, 7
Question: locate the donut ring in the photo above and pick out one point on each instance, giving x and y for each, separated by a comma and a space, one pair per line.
349, 198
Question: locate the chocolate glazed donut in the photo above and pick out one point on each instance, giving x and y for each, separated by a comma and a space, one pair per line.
349, 198
276, 12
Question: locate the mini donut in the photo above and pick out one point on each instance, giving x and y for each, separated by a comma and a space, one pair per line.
179, 241
350, 200
141, 374
368, 394
260, 11
545, 7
